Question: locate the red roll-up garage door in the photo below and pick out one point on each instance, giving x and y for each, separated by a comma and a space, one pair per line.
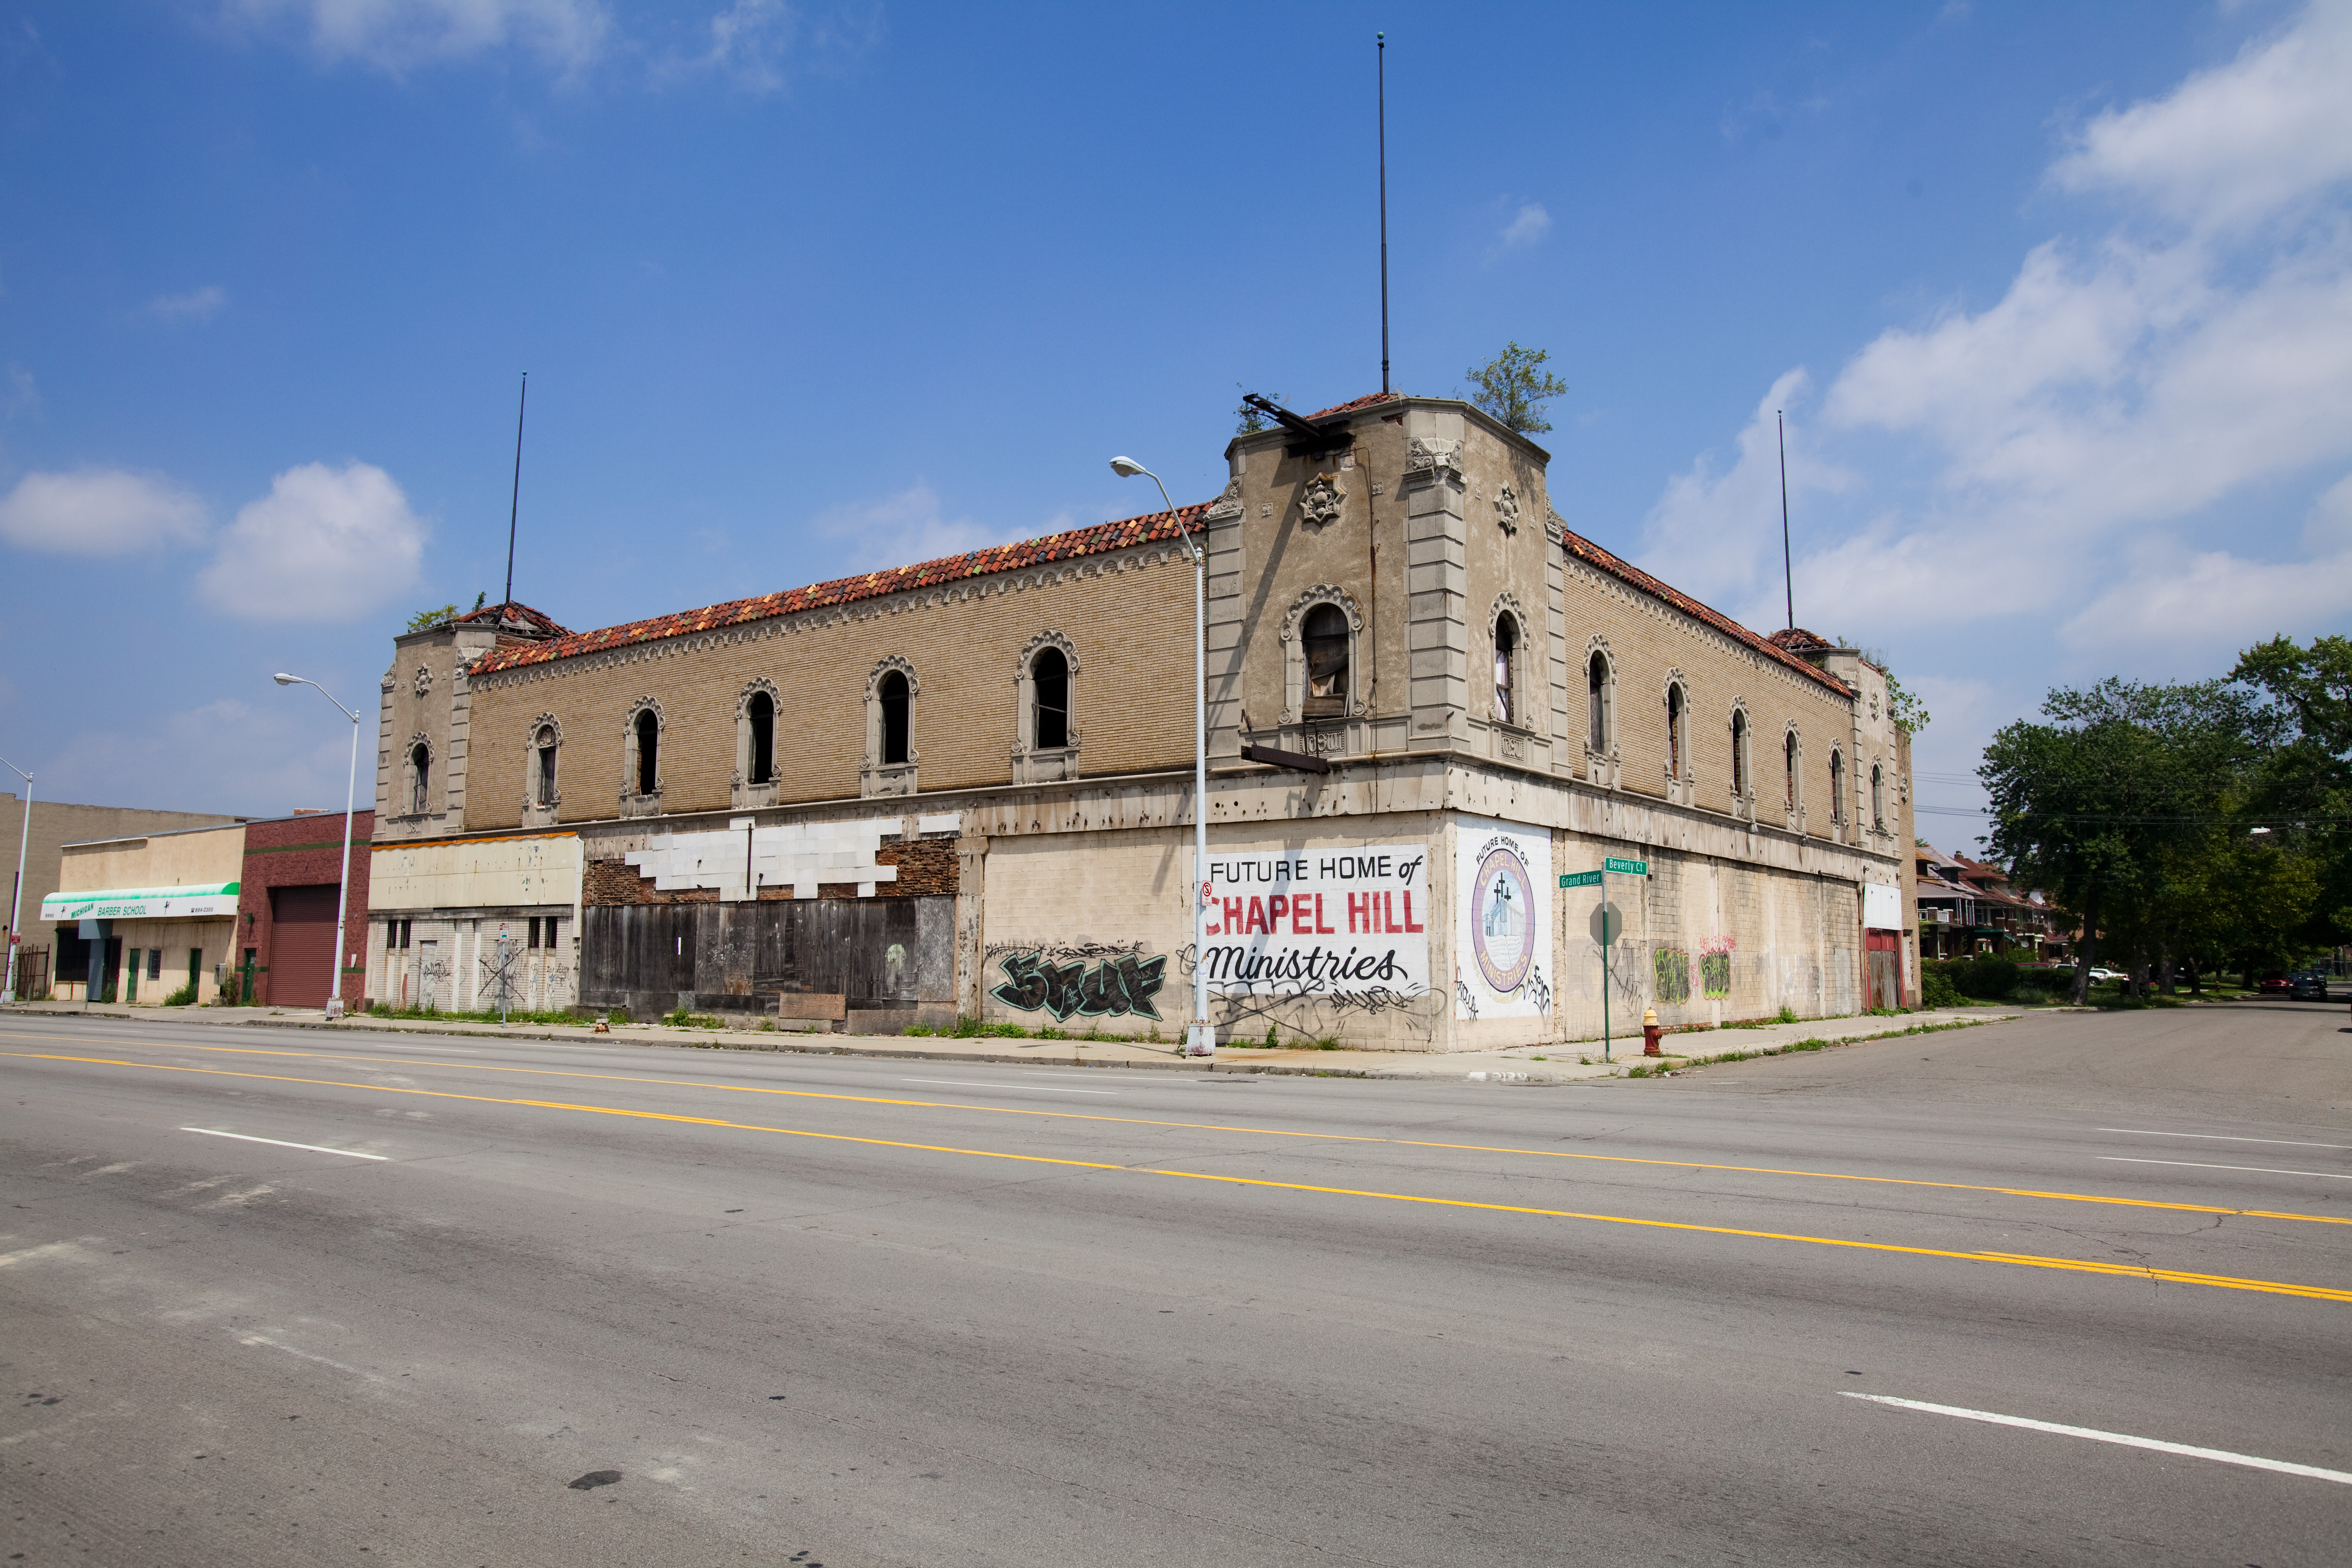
301, 945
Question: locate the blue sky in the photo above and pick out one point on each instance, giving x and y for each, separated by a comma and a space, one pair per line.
2058, 300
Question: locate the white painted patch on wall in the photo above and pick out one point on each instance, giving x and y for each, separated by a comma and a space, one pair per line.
802, 855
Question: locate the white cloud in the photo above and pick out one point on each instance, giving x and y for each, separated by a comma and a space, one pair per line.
394, 36
260, 757
1528, 225
2238, 141
196, 305
1715, 532
24, 395
2117, 395
2188, 612
323, 544
900, 530
98, 511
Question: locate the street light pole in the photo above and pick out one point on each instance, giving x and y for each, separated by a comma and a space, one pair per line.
1201, 1039
16, 899
343, 883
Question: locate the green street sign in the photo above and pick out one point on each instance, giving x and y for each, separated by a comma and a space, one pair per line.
1579, 879
1628, 867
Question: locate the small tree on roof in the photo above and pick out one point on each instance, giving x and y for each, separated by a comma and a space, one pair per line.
1514, 386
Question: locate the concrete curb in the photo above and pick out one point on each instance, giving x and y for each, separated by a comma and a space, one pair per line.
1231, 1061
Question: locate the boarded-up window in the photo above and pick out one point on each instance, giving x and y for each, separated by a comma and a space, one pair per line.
1738, 755
1324, 639
546, 747
420, 777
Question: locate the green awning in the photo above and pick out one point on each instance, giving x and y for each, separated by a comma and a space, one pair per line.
140, 903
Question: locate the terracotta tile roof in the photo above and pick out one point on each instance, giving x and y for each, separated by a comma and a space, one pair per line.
1797, 639
1366, 401
1078, 541
516, 617
1591, 554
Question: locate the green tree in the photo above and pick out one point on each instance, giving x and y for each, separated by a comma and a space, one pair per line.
424, 620
2108, 805
1514, 386
2303, 790
1253, 419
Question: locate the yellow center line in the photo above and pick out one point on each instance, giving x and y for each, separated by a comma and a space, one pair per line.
1255, 1132
2018, 1259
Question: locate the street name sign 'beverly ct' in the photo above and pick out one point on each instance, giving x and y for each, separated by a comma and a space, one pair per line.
1627, 867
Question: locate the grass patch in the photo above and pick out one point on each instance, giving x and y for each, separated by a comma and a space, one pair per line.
514, 1016
185, 996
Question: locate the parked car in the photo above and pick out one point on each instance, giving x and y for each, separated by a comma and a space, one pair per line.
2101, 973
2308, 986
2273, 986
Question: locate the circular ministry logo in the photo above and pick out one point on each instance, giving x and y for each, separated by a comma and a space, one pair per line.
1503, 928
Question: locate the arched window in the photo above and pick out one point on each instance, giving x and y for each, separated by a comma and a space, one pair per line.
1877, 797
1323, 637
1506, 650
1837, 786
1676, 716
1788, 763
759, 716
420, 777
897, 718
543, 771
1739, 756
648, 751
1596, 686
1049, 683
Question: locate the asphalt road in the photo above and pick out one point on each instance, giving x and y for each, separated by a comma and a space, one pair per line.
621, 1305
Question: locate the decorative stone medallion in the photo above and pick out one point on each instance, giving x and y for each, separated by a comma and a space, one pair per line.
1322, 501
1506, 509
424, 682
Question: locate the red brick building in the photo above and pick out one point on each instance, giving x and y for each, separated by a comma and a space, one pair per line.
285, 950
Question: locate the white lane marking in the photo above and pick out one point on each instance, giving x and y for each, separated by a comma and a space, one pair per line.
2095, 1436
2204, 1165
2225, 1137
1041, 1089
280, 1142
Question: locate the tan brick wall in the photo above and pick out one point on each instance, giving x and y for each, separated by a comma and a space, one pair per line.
1648, 640
1130, 615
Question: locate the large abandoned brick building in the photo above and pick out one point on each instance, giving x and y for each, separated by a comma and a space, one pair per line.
964, 787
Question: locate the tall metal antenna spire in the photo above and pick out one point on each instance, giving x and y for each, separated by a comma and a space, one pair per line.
1787, 573
1381, 41
514, 504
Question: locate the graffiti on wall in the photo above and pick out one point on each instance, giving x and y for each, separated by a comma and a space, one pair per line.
1112, 987
1670, 972
1715, 967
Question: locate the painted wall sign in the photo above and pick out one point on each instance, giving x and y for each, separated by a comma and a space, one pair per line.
1344, 923
1502, 919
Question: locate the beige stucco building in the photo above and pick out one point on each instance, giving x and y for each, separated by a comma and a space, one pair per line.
964, 787
149, 914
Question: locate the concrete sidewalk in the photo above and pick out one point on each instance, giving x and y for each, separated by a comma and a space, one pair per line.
1525, 1064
